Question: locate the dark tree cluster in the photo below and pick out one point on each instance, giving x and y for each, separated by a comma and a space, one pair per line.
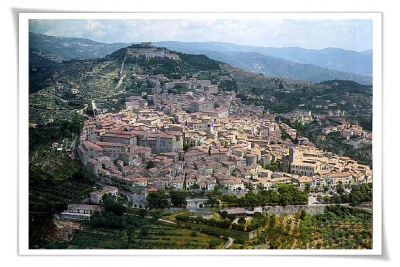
285, 195
359, 194
226, 223
178, 198
157, 200
108, 219
111, 205
201, 62
227, 85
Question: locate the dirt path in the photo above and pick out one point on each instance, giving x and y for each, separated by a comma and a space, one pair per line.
167, 221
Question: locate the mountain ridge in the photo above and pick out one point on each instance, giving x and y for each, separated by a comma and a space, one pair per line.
269, 65
67, 48
57, 49
330, 57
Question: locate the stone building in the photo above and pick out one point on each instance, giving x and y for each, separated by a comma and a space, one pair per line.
199, 106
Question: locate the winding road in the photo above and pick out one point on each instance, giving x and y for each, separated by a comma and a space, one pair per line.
228, 243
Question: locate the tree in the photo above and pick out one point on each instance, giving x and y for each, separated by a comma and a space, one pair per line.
182, 217
194, 186
307, 187
142, 213
107, 219
340, 189
178, 198
231, 217
83, 176
240, 240
211, 202
110, 205
144, 231
303, 214
224, 214
239, 227
272, 167
213, 243
242, 220
194, 234
150, 165
186, 147
157, 200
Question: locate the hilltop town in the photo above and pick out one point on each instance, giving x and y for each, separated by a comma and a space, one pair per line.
203, 138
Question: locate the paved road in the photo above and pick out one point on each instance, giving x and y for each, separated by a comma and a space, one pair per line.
228, 243
312, 200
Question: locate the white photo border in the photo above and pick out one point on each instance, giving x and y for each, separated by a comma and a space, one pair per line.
23, 108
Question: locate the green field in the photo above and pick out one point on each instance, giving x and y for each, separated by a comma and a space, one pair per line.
151, 235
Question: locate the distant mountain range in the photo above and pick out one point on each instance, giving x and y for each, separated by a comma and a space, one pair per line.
331, 58
260, 63
295, 63
65, 48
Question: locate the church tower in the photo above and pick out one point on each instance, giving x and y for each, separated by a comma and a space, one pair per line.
294, 154
210, 131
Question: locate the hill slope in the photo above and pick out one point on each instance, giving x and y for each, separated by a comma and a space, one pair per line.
278, 67
65, 48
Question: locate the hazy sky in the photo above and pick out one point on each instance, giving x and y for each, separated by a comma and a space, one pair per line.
355, 34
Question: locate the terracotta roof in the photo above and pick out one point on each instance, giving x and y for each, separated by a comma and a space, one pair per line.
175, 133
117, 135
340, 174
109, 144
152, 189
90, 145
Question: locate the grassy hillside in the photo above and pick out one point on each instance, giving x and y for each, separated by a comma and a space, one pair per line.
284, 95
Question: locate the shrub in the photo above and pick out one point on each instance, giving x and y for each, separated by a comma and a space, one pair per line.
242, 220
183, 218
194, 234
213, 243
240, 240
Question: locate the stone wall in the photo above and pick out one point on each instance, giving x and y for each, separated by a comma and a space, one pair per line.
312, 210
